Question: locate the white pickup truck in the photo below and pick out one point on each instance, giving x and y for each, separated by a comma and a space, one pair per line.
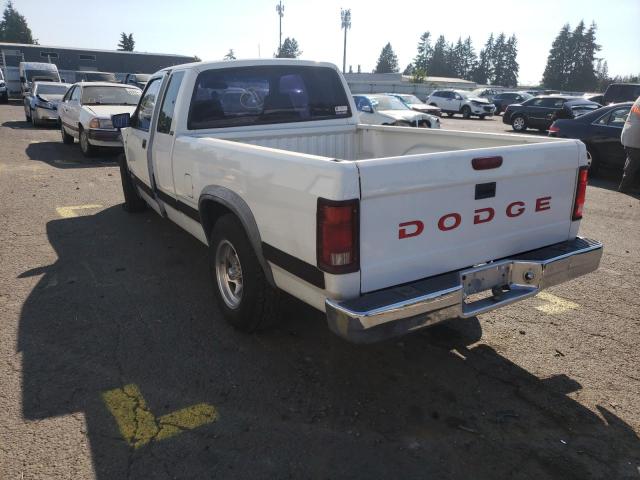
386, 229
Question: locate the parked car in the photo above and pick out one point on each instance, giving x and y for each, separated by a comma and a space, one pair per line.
621, 92
488, 93
41, 103
381, 109
36, 72
95, 77
385, 230
414, 103
85, 113
459, 101
504, 99
138, 79
541, 112
600, 131
4, 90
594, 97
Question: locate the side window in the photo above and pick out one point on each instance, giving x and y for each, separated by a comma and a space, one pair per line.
67, 95
537, 102
618, 117
169, 103
75, 95
144, 112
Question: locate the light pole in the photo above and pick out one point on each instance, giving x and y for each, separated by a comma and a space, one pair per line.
280, 10
345, 15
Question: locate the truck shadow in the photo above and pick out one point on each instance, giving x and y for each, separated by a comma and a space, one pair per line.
59, 155
128, 302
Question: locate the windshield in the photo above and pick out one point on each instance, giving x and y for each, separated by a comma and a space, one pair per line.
42, 74
44, 89
110, 96
388, 103
462, 93
272, 94
411, 99
584, 108
98, 77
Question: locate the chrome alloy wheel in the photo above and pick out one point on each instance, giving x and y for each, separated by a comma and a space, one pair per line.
229, 274
518, 123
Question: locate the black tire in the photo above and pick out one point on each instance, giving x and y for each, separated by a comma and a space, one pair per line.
88, 150
4, 99
518, 123
594, 166
27, 116
66, 138
482, 117
259, 303
133, 202
466, 112
34, 122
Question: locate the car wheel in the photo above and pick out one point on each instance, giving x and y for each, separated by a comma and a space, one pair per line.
247, 301
34, 120
594, 163
88, 150
482, 117
133, 202
518, 123
466, 112
27, 116
66, 138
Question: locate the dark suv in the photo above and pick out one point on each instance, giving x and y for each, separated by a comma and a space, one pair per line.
621, 92
541, 112
504, 99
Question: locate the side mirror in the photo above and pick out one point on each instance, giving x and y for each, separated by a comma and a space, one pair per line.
121, 120
366, 108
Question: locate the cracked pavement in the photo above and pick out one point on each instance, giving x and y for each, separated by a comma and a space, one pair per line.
93, 303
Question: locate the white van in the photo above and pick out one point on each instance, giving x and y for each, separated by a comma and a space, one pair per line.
37, 71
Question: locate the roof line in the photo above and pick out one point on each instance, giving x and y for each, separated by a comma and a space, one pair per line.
7, 45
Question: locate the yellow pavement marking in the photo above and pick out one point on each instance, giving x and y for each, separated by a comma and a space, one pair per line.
70, 212
138, 426
554, 304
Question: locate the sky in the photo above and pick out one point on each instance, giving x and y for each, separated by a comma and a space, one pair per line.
209, 28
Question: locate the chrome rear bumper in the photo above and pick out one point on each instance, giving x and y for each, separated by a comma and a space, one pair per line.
395, 311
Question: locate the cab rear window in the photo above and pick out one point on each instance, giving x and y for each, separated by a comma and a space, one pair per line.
233, 97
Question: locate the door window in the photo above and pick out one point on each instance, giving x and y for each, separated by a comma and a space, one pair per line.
75, 95
67, 95
618, 117
169, 103
142, 116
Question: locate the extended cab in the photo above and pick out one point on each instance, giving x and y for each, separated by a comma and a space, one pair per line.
386, 229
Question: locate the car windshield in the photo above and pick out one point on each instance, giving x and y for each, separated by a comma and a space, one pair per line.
110, 95
98, 77
411, 99
388, 103
464, 94
44, 89
43, 74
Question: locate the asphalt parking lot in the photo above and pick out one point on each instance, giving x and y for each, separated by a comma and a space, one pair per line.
115, 362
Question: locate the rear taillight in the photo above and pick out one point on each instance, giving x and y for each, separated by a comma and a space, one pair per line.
553, 129
337, 235
581, 192
486, 163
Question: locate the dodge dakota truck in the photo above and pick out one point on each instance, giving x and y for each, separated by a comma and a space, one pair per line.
385, 229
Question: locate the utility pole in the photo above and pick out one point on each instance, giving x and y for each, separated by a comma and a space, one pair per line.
345, 16
280, 10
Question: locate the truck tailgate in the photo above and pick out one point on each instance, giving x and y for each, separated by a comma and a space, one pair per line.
422, 215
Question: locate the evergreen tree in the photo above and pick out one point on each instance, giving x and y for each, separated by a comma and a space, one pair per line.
408, 70
126, 43
484, 68
388, 61
558, 62
14, 28
289, 49
437, 64
510, 59
583, 77
498, 57
230, 55
421, 60
602, 75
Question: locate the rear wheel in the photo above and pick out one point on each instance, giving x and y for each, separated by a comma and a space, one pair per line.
66, 138
594, 164
466, 112
27, 114
247, 301
482, 117
34, 120
518, 123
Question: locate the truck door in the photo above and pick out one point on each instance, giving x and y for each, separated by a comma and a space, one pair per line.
162, 145
136, 137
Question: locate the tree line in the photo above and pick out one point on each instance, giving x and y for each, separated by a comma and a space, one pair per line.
496, 63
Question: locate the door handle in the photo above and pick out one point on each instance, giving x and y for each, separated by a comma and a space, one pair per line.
144, 143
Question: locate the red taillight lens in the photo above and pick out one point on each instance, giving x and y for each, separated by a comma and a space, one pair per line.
337, 235
581, 193
553, 129
486, 163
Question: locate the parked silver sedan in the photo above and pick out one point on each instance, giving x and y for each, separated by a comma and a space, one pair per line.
41, 103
